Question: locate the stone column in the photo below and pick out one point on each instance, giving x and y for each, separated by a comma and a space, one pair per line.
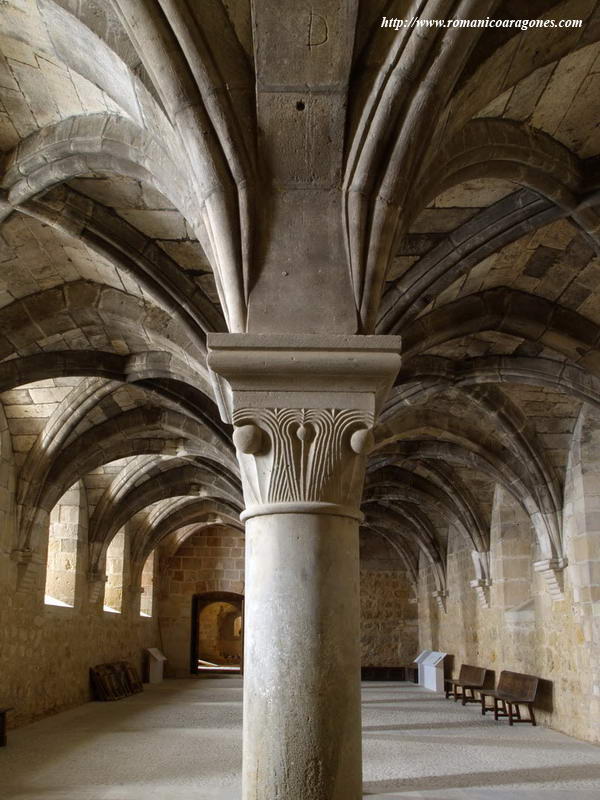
303, 408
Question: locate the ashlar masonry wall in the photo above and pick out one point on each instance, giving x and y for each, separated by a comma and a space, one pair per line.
524, 629
388, 607
212, 560
46, 651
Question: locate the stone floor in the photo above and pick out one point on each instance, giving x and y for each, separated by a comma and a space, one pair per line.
181, 740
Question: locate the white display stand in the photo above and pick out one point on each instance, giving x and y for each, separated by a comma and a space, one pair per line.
156, 663
433, 671
419, 660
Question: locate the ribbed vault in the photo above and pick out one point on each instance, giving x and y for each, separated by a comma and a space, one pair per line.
145, 152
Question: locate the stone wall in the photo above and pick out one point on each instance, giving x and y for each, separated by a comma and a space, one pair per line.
582, 543
389, 625
46, 651
388, 608
116, 579
210, 560
65, 532
524, 629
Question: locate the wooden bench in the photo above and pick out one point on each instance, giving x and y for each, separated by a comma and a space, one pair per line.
514, 689
382, 674
3, 712
469, 679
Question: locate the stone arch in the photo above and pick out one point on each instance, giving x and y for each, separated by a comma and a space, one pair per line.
514, 463
184, 480
65, 310
183, 512
141, 430
425, 376
96, 143
495, 148
161, 373
408, 488
131, 252
140, 423
411, 526
486, 233
135, 502
465, 455
507, 311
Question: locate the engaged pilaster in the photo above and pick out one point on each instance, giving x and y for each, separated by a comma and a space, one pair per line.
552, 570
483, 580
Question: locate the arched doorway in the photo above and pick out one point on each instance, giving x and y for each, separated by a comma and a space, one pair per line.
217, 632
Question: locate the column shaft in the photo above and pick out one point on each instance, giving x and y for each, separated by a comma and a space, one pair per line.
302, 732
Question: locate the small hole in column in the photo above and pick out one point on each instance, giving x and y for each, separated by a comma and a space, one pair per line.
300, 105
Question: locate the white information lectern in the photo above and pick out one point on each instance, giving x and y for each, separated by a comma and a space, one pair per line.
433, 671
419, 661
156, 662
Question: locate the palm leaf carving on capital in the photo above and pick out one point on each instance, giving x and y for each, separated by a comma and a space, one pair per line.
302, 455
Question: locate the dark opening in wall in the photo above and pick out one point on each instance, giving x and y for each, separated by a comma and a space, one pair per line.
217, 632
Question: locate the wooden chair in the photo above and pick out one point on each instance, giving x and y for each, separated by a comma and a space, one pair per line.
469, 679
514, 689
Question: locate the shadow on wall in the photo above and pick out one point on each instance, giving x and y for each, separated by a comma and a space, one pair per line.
545, 696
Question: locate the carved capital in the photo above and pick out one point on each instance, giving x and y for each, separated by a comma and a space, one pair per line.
483, 580
96, 581
552, 570
440, 599
302, 459
303, 407
481, 563
482, 589
29, 565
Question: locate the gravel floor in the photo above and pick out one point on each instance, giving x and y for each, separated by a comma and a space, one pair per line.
181, 740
